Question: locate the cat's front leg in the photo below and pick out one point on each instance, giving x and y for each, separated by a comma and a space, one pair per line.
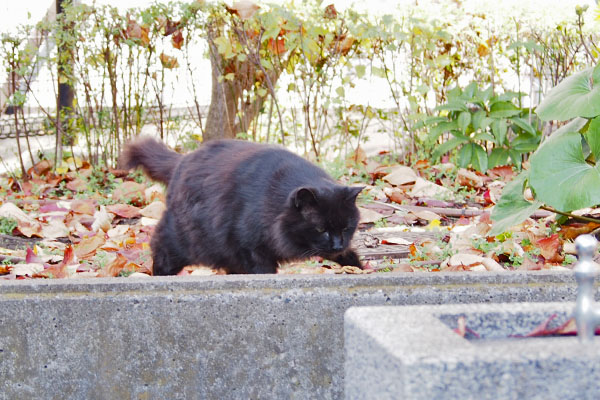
348, 257
256, 263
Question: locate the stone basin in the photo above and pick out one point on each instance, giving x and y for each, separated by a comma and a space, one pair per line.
413, 352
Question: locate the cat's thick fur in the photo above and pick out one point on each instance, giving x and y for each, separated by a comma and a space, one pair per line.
245, 207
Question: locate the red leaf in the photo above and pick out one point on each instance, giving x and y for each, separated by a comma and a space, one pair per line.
550, 248
31, 257
124, 210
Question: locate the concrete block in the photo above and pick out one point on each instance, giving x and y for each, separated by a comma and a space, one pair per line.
412, 352
217, 337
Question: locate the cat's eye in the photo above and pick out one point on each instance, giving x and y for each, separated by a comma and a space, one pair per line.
320, 229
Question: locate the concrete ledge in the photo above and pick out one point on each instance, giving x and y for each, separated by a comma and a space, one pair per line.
412, 353
218, 337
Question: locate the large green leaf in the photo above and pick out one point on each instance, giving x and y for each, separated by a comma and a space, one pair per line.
512, 208
576, 96
592, 136
560, 176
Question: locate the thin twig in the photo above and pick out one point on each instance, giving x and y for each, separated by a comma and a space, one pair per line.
566, 214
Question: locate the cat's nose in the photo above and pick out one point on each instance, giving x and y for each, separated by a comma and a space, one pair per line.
337, 243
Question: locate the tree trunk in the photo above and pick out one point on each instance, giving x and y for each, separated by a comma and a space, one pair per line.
220, 121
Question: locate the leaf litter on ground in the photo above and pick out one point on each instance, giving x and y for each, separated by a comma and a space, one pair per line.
82, 222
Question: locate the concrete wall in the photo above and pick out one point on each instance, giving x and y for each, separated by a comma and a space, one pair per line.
218, 337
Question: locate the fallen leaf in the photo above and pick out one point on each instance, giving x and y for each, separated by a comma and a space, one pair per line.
27, 269
469, 178
130, 192
88, 246
87, 207
368, 216
401, 175
55, 228
102, 220
396, 240
550, 248
426, 215
504, 172
117, 231
124, 210
424, 188
574, 229
25, 224
154, 210
394, 194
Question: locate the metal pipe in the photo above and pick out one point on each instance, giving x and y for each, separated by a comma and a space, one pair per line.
587, 315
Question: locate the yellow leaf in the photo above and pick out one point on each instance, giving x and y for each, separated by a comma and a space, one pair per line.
434, 224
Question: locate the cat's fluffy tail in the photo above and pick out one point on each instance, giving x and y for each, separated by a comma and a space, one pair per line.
155, 158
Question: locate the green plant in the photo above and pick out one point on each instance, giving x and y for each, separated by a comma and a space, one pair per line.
565, 169
7, 225
486, 129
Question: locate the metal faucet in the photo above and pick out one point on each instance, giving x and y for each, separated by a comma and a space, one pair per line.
587, 316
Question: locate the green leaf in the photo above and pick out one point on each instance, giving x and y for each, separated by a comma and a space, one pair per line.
470, 91
499, 129
453, 105
512, 208
559, 174
477, 119
464, 155
340, 91
440, 129
575, 96
464, 119
523, 124
592, 136
503, 109
447, 146
360, 70
479, 160
484, 136
498, 156
516, 158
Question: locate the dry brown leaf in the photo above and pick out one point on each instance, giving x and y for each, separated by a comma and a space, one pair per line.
55, 228
87, 207
28, 269
88, 246
102, 220
25, 224
154, 210
401, 175
368, 216
130, 192
124, 210
469, 178
394, 194
424, 188
426, 215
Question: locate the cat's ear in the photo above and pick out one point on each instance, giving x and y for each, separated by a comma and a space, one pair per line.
352, 192
303, 197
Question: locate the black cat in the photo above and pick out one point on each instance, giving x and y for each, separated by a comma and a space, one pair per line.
245, 207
